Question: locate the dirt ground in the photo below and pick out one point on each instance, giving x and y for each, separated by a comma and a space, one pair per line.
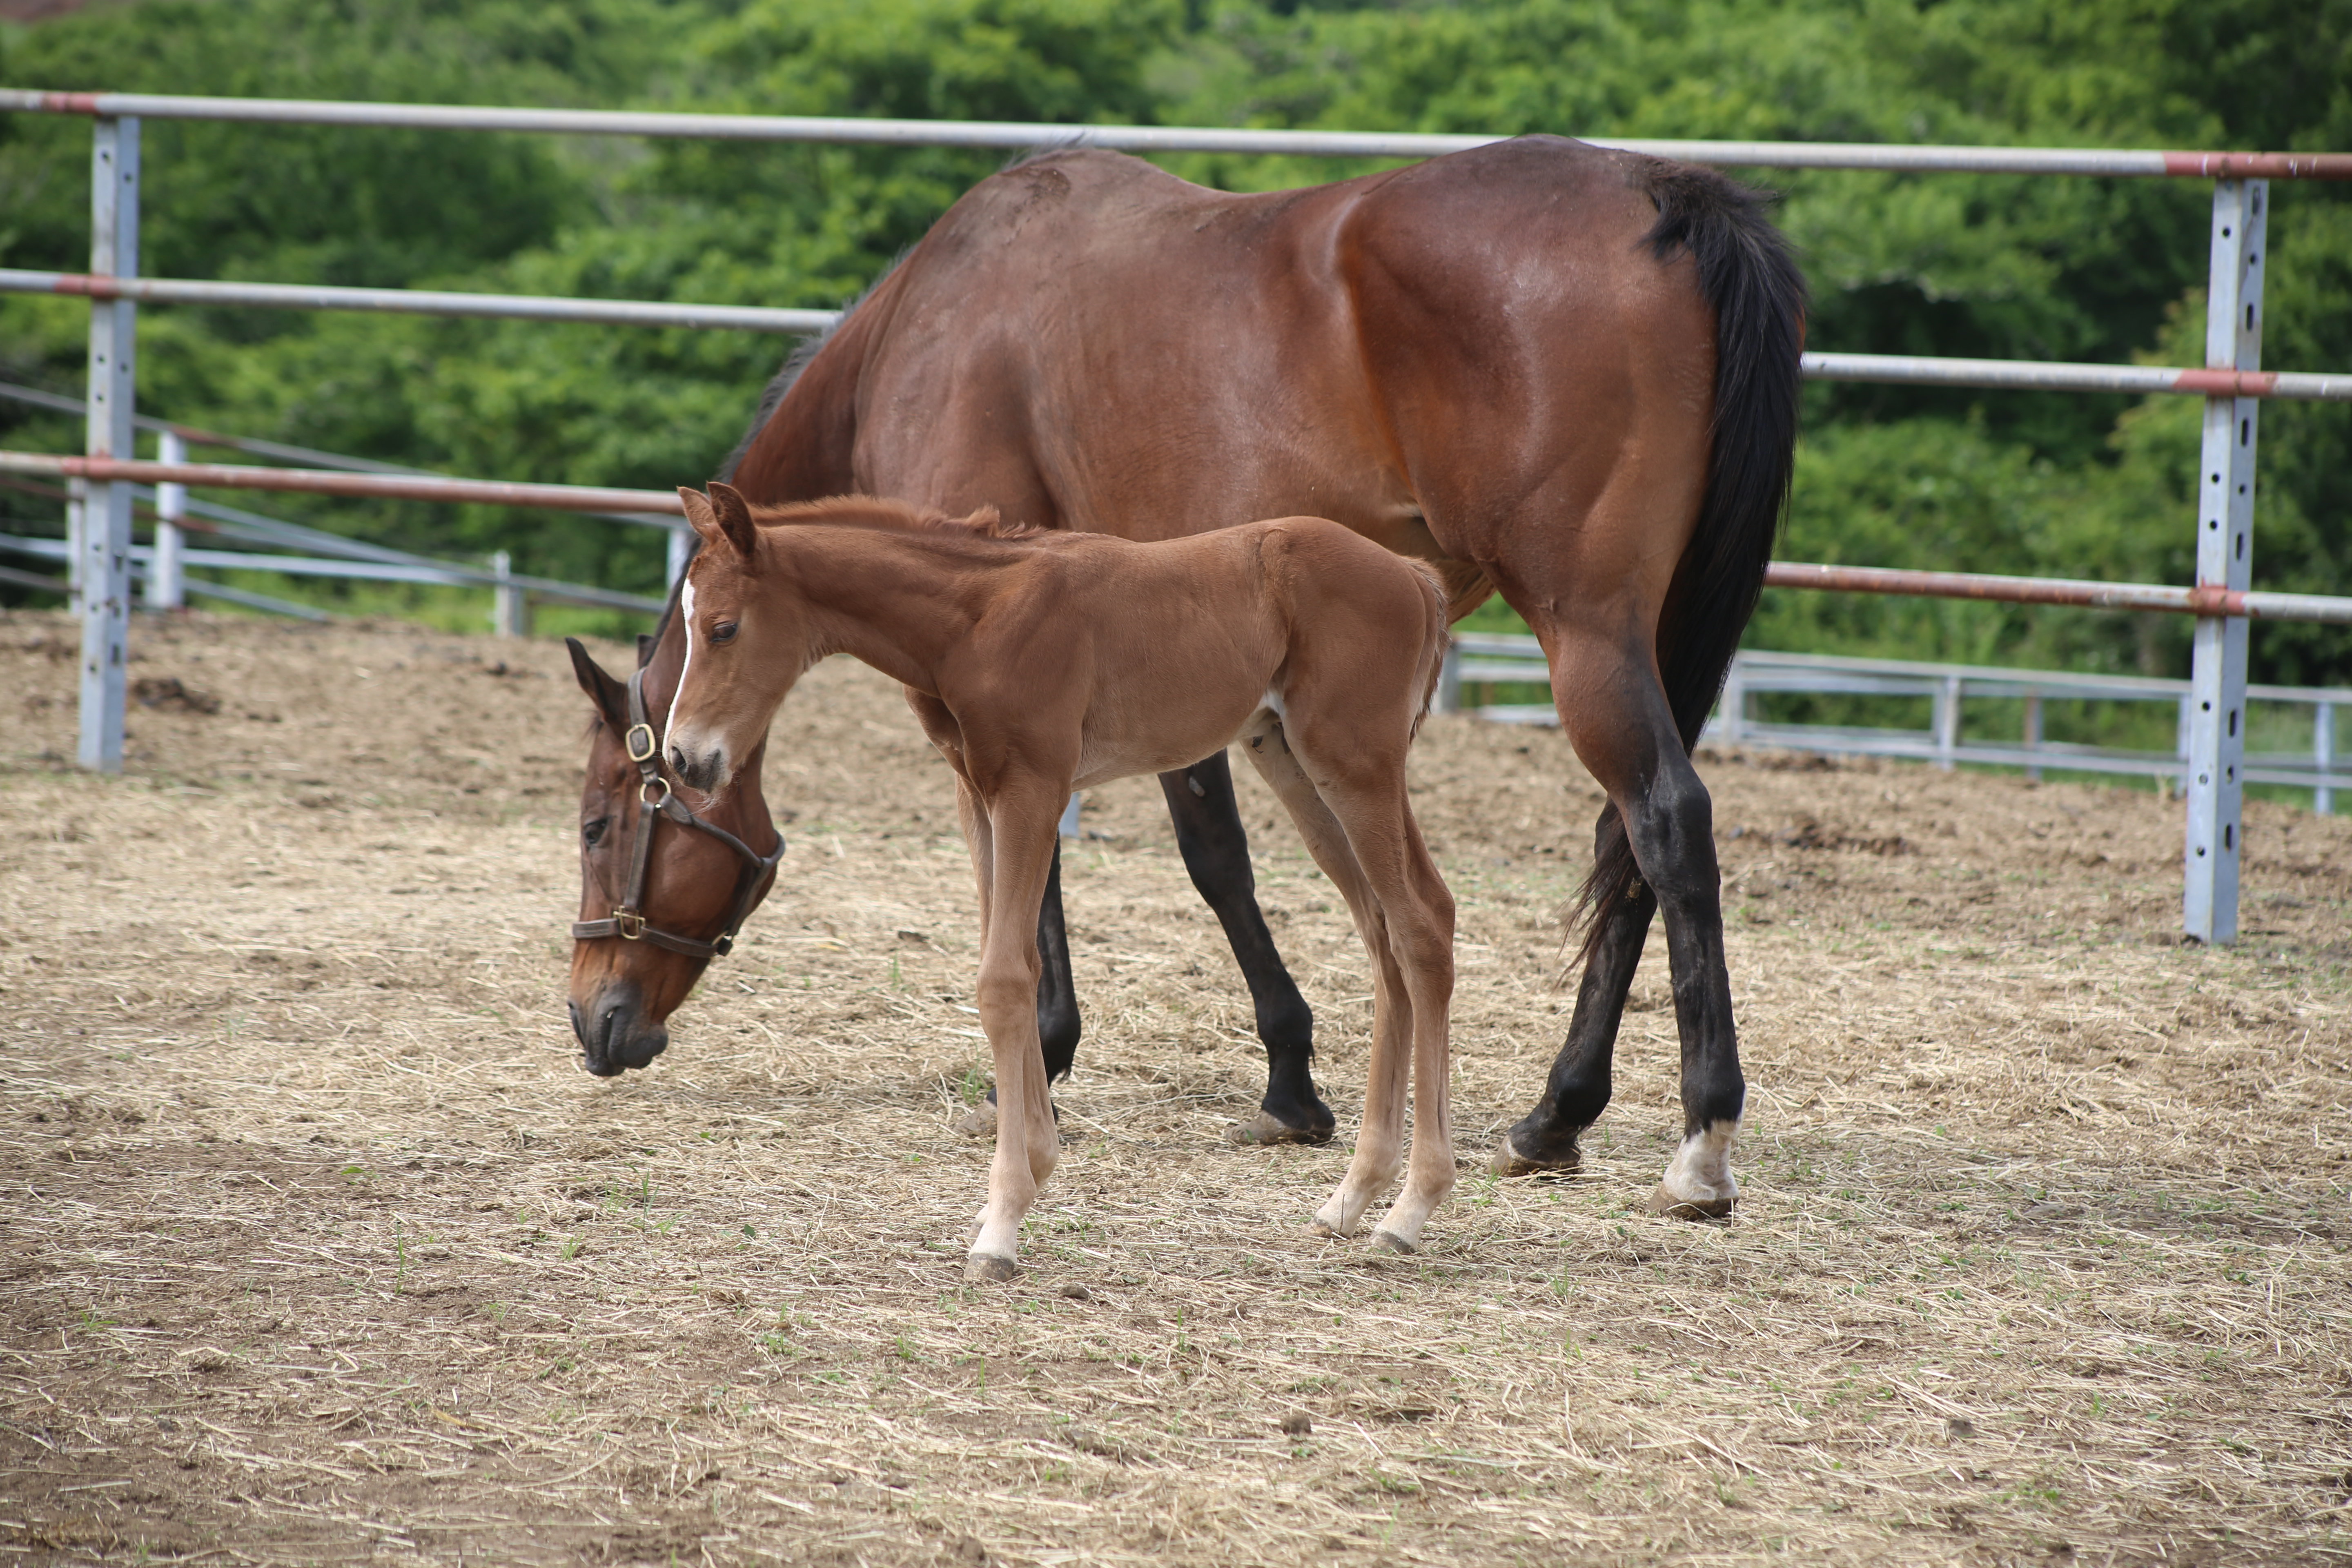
319, 1246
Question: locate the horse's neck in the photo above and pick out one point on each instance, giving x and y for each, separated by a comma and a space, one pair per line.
803, 451
893, 600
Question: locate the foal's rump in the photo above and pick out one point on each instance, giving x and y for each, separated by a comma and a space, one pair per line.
1195, 641
1367, 628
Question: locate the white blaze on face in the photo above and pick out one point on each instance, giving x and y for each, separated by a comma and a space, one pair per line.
686, 615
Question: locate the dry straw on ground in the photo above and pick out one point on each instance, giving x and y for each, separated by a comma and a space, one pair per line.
319, 1247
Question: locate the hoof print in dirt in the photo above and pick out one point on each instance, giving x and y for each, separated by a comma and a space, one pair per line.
1264, 1128
1665, 1204
980, 1122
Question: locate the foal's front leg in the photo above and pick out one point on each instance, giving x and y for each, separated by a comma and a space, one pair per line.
1021, 834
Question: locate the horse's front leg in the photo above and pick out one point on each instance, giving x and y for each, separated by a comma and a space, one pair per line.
1215, 847
1024, 842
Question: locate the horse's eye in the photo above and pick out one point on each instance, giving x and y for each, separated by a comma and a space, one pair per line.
594, 833
723, 632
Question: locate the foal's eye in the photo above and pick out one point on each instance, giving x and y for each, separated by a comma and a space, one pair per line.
594, 833
723, 632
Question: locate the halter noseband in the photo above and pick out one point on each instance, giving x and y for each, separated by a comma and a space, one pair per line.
655, 797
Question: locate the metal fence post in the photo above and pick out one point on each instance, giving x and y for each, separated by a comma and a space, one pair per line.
2034, 733
510, 616
165, 589
681, 545
2323, 756
1448, 696
1947, 721
1735, 702
2225, 526
103, 553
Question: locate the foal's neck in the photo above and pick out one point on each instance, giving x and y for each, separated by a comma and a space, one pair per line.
896, 600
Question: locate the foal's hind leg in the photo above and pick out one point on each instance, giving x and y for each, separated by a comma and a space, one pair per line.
1216, 852
1397, 1025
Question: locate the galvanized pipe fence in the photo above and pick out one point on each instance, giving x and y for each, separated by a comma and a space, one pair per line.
1496, 658
2233, 380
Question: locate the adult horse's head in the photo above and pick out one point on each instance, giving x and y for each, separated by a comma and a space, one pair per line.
745, 644
666, 875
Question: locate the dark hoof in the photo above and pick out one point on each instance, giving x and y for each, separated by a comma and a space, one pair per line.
1664, 1203
987, 1268
1389, 1241
1317, 1227
1510, 1162
1266, 1128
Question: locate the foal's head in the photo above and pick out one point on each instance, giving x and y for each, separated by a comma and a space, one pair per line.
746, 644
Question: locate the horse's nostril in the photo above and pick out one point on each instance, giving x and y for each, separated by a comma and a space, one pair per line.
678, 759
579, 1024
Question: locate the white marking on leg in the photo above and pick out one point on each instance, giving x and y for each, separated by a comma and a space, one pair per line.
1701, 1172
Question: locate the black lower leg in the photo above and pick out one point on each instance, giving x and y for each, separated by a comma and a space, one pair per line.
1057, 999
1216, 852
1674, 837
1578, 1089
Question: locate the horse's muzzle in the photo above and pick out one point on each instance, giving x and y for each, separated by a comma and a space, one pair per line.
613, 1032
704, 772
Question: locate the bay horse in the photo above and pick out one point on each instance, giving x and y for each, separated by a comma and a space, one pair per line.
1041, 663
1560, 373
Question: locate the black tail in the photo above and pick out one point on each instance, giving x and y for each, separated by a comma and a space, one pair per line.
1759, 298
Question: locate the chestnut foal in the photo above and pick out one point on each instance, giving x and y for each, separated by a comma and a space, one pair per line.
1043, 662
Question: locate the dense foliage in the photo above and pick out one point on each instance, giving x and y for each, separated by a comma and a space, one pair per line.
2063, 268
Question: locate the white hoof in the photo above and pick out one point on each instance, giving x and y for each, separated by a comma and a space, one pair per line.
1699, 1184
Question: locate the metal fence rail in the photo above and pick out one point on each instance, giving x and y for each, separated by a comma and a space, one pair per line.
2233, 380
1907, 370
1498, 658
1017, 136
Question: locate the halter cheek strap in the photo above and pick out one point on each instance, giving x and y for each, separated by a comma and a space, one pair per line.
658, 799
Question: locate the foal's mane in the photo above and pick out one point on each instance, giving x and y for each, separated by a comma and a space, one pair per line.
893, 516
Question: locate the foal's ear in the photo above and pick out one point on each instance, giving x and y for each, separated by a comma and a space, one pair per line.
735, 519
611, 698
723, 520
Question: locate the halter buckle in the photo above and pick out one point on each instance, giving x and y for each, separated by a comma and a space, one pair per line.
630, 923
638, 752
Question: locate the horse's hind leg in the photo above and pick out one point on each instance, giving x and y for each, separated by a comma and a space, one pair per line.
1545, 1141
1216, 852
1624, 731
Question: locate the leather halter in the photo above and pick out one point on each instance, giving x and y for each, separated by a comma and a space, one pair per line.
656, 799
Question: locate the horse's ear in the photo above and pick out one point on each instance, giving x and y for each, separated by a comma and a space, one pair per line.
721, 517
735, 517
611, 698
